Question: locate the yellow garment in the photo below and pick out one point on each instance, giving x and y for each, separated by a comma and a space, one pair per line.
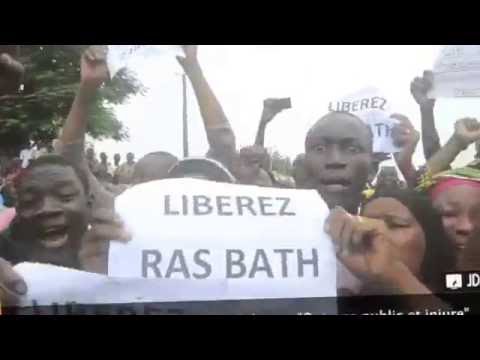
367, 194
427, 180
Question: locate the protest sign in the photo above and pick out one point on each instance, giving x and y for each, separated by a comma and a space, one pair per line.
120, 56
201, 247
456, 72
54, 290
370, 105
225, 241
48, 284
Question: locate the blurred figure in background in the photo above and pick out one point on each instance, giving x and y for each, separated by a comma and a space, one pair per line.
124, 173
153, 166
116, 160
104, 170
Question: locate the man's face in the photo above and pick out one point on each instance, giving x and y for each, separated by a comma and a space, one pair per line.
52, 214
117, 158
103, 157
130, 158
338, 158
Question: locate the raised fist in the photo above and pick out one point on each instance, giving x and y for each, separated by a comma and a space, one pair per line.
467, 131
419, 88
190, 58
93, 68
271, 107
363, 245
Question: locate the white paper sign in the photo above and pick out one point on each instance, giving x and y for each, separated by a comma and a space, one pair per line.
456, 72
54, 290
370, 105
225, 241
48, 284
120, 56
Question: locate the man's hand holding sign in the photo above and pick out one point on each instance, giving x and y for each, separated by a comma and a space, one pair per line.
104, 225
12, 286
245, 245
265, 257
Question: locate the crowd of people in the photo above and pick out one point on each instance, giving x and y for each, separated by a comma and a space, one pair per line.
394, 237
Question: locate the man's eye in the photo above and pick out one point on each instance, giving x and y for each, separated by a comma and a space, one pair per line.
353, 149
67, 197
319, 148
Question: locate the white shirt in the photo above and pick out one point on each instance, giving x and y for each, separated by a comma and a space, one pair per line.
26, 155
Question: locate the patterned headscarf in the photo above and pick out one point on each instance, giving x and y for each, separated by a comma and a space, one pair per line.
437, 183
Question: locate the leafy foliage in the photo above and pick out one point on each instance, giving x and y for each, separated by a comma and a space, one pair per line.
281, 164
52, 75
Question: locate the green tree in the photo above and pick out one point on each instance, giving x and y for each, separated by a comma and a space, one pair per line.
281, 164
38, 110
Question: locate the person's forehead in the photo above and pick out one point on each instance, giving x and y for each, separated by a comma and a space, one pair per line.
386, 206
462, 196
340, 127
50, 175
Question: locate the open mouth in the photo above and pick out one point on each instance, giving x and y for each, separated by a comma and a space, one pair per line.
54, 236
335, 184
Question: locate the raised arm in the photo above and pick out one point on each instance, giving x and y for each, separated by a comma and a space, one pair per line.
467, 131
419, 88
219, 132
406, 136
94, 73
270, 110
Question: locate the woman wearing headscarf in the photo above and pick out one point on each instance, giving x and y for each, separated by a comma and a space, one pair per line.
396, 247
455, 194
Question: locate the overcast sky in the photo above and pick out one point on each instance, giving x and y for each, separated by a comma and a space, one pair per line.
242, 76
